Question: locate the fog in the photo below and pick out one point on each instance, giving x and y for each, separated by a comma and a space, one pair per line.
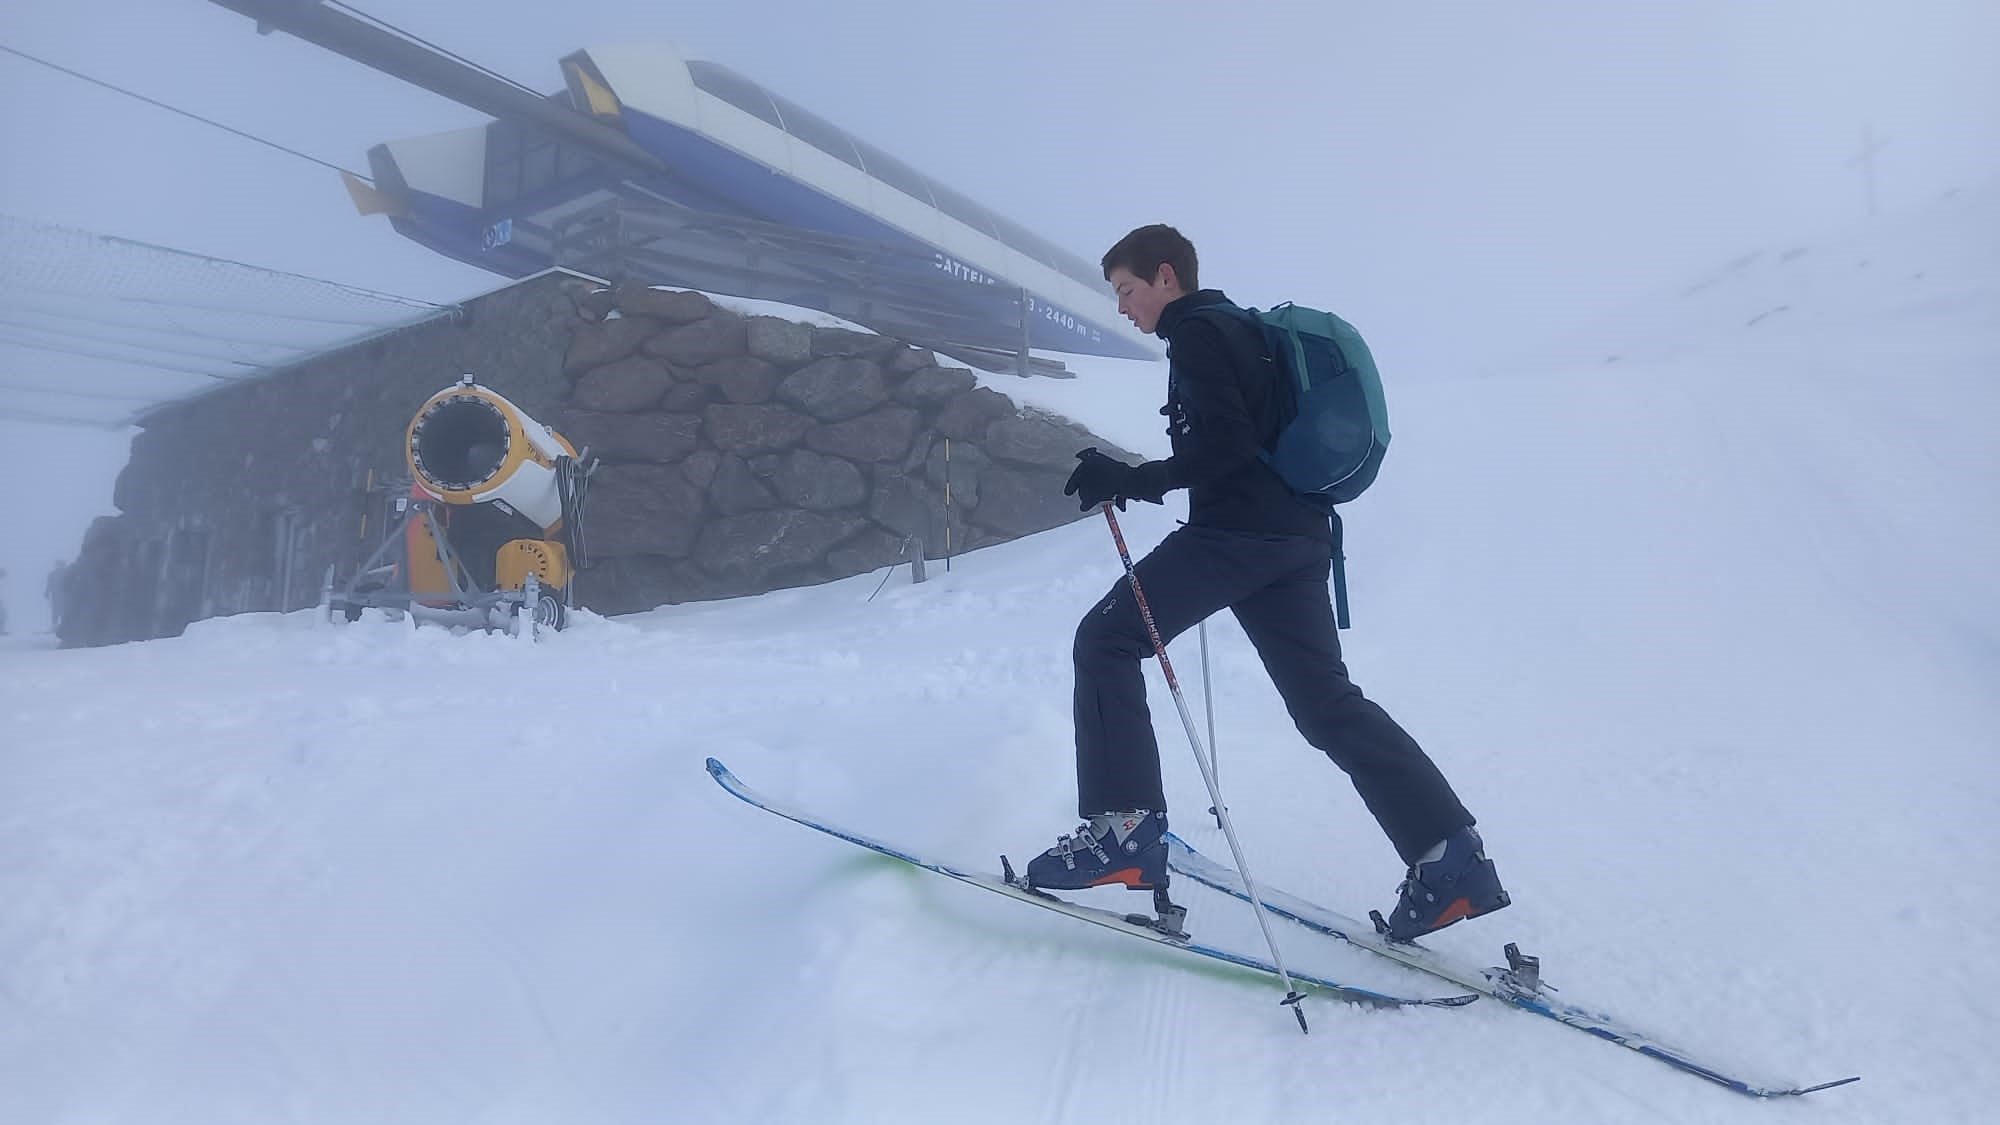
1465, 181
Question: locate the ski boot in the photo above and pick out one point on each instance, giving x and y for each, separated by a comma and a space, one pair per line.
1115, 848
1455, 881
1121, 849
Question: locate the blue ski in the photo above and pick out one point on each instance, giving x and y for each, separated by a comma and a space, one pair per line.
1519, 984
1105, 918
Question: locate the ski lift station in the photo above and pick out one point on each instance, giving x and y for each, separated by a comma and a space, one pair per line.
654, 167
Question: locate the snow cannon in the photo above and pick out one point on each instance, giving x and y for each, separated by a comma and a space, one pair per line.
487, 530
469, 445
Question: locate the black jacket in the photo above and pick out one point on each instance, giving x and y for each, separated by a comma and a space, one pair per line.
1223, 409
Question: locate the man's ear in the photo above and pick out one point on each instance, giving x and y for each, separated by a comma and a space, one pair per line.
1165, 277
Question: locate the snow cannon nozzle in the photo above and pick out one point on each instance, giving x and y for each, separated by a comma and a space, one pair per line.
468, 445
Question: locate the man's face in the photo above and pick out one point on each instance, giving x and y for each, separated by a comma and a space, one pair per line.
1140, 300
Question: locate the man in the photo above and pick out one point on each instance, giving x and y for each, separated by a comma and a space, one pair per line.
1255, 547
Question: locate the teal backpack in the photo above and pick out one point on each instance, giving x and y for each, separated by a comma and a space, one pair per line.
1334, 421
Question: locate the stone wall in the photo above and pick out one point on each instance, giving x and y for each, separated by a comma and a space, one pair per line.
744, 454
740, 454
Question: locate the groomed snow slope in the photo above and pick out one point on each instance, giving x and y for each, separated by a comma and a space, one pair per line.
1706, 636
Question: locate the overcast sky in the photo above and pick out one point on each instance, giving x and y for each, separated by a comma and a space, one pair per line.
1459, 178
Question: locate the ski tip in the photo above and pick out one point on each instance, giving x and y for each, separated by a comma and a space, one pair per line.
718, 770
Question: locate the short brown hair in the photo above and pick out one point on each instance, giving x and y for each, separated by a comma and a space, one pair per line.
1145, 250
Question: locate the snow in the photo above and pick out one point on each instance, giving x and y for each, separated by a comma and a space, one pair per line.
1706, 636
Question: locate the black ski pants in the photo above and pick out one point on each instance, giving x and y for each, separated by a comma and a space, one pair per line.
1277, 587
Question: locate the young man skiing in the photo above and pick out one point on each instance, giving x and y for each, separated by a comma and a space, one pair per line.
1255, 547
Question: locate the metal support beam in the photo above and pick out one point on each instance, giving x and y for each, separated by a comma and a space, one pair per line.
891, 290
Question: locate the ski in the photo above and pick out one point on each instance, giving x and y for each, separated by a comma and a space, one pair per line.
1519, 984
1132, 925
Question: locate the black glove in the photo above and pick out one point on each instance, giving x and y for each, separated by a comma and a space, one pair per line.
1099, 479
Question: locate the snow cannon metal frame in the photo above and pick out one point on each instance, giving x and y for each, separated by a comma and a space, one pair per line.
514, 488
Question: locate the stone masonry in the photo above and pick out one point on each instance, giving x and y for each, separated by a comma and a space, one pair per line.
739, 454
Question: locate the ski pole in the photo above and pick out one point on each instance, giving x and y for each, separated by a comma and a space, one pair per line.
1292, 997
1208, 712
